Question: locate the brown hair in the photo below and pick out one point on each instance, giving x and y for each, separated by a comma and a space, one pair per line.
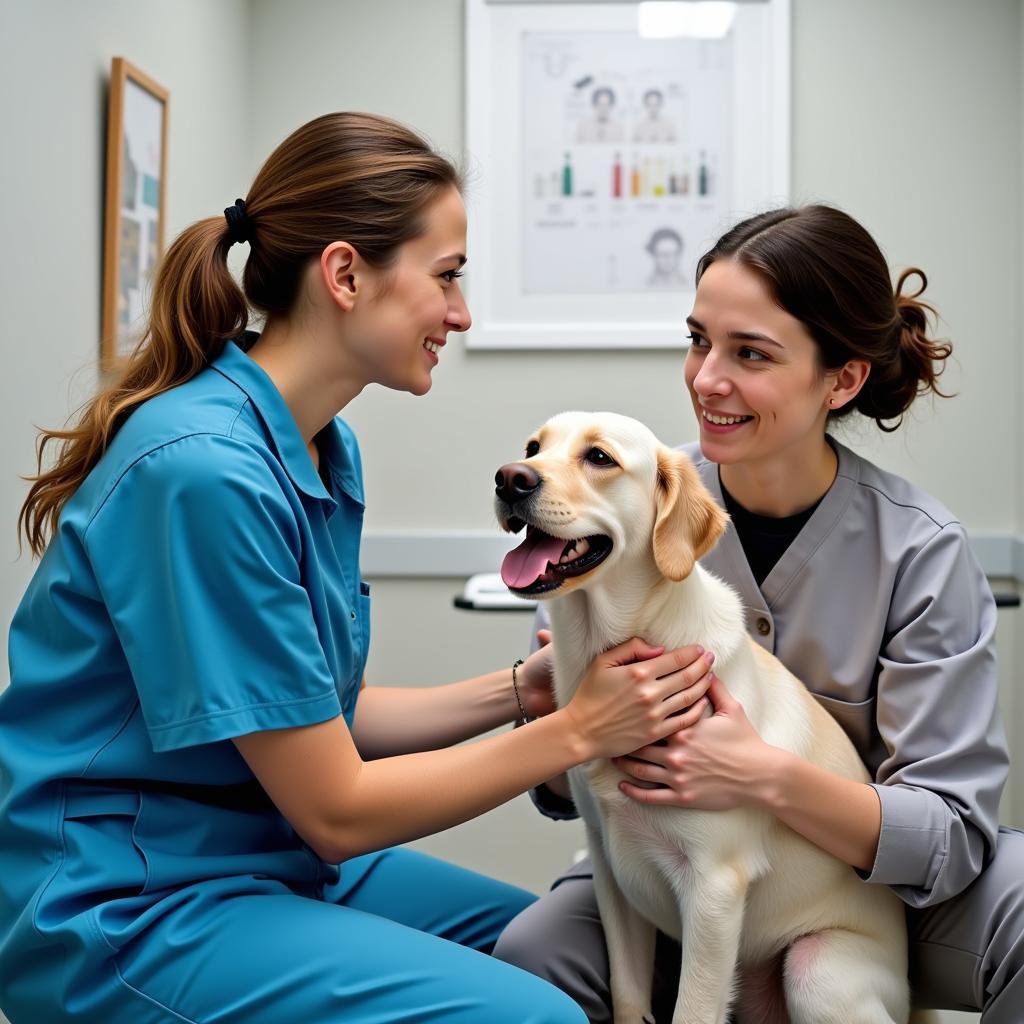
823, 268
346, 176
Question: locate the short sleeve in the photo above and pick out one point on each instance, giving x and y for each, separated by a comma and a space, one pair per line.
938, 716
196, 554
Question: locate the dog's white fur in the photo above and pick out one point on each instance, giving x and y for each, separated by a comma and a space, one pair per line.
751, 901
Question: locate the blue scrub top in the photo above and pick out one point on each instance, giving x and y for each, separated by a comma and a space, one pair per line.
203, 583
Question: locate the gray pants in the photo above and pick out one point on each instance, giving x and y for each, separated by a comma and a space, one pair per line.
965, 954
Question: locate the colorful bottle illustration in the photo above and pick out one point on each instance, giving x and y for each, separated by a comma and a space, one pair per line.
634, 179
702, 176
684, 183
567, 177
658, 186
617, 177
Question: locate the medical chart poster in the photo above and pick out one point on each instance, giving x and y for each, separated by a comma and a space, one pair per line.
626, 159
601, 164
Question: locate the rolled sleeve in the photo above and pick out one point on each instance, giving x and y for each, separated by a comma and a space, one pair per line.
915, 825
938, 717
196, 552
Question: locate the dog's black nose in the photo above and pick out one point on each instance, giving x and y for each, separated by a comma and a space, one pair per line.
515, 481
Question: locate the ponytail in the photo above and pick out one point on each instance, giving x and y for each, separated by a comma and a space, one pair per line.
196, 307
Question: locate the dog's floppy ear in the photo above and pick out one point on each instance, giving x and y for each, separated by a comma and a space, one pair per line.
687, 520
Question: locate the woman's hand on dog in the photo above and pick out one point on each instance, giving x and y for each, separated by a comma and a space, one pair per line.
716, 764
535, 678
635, 694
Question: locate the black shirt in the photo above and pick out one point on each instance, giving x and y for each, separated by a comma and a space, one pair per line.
764, 538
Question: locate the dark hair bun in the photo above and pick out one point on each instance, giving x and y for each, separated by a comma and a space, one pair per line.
915, 364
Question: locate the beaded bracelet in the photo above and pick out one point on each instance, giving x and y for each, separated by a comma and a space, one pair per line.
524, 717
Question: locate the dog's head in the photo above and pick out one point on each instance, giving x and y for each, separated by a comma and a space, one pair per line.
593, 490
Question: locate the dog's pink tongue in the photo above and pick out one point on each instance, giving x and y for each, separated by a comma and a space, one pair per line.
524, 564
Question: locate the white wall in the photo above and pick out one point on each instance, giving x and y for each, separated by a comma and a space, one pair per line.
908, 115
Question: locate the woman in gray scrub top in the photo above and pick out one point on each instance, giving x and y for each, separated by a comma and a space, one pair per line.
867, 590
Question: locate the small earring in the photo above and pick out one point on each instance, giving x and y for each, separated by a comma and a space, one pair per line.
831, 402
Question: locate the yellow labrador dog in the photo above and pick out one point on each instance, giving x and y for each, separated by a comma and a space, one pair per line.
615, 523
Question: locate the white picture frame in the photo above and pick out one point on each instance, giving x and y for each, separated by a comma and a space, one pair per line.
524, 290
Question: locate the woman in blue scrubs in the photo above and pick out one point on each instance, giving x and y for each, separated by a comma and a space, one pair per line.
186, 749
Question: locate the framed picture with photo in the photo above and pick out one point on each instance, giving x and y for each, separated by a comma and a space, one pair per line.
609, 145
135, 205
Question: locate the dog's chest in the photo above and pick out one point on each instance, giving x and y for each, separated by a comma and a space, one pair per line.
645, 847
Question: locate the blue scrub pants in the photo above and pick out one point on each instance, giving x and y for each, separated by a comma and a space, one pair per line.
402, 938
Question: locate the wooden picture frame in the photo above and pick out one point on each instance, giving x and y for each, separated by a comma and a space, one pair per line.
135, 206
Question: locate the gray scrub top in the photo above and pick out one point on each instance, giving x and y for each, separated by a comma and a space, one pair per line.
881, 608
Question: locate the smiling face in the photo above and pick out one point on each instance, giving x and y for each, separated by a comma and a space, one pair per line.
403, 323
753, 372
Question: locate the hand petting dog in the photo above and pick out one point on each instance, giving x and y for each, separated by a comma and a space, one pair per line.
716, 764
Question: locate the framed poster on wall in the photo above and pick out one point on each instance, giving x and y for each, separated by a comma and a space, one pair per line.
135, 205
609, 146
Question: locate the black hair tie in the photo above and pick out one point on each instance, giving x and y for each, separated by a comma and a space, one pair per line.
238, 222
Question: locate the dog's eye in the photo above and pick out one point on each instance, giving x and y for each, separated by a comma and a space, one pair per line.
532, 448
596, 457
